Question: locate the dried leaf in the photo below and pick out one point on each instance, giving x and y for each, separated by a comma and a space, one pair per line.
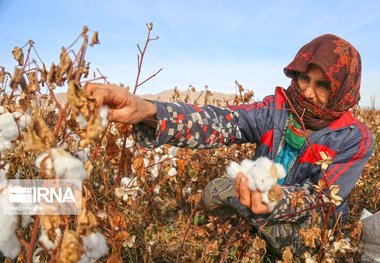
86, 70
18, 55
33, 82
296, 200
40, 138
59, 81
121, 236
322, 185
325, 160
310, 235
287, 255
71, 247
18, 80
50, 222
335, 199
116, 218
95, 39
115, 256
43, 75
3, 74
181, 165
259, 245
83, 105
65, 62
138, 165
51, 75
357, 232
86, 221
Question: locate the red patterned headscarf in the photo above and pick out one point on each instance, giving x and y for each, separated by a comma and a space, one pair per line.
341, 65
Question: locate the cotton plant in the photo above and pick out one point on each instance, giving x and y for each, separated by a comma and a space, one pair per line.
262, 175
57, 161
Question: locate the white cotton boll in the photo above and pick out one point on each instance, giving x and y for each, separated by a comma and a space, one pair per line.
8, 127
44, 160
82, 123
23, 119
234, 168
95, 245
126, 182
129, 143
172, 172
45, 240
158, 150
173, 151
11, 247
9, 244
164, 157
104, 116
262, 175
65, 165
154, 171
156, 190
25, 220
155, 168
3, 172
84, 154
84, 259
68, 167
4, 144
37, 255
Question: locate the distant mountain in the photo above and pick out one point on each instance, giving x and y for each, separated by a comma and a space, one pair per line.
197, 97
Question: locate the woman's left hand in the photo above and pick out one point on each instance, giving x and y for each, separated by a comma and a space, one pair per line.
252, 199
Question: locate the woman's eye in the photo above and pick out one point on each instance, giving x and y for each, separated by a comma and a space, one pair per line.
323, 85
303, 78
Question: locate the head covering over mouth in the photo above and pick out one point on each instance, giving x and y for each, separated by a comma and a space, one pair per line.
341, 65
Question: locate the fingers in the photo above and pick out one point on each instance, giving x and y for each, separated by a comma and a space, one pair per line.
248, 198
257, 205
119, 115
242, 190
278, 190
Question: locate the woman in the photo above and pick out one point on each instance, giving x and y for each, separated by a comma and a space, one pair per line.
295, 127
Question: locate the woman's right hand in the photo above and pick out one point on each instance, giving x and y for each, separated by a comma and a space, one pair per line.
124, 107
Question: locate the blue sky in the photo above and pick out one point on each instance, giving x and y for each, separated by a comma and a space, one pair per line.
200, 42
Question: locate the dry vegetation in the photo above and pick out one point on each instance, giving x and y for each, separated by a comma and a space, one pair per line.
145, 203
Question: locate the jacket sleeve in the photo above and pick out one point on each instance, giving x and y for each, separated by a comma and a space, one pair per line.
190, 126
350, 161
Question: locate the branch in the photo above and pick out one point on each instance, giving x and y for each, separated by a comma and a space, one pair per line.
140, 59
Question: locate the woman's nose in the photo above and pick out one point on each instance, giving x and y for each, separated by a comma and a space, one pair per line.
308, 91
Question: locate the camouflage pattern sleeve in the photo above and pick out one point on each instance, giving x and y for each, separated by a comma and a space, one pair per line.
297, 205
186, 125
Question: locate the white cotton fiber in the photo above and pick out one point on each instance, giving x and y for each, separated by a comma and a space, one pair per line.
104, 116
47, 242
65, 165
9, 244
8, 127
95, 245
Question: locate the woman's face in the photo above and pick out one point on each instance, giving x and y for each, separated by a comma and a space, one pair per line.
314, 85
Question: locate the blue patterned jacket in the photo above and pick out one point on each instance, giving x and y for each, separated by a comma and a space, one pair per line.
347, 141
